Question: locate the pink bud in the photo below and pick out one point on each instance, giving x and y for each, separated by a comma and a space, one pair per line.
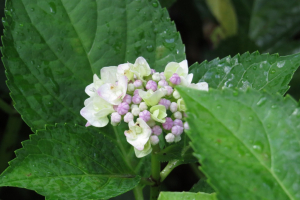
178, 122
169, 90
115, 107
175, 79
156, 130
170, 137
165, 102
186, 126
151, 85
145, 115
168, 124
127, 99
154, 140
136, 92
128, 117
87, 124
153, 71
162, 76
163, 83
173, 107
177, 130
115, 117
136, 99
137, 83
123, 108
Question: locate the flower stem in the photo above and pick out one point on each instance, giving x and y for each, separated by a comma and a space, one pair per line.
155, 173
167, 170
138, 192
7, 108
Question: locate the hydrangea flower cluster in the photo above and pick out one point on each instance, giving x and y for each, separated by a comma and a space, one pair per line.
145, 99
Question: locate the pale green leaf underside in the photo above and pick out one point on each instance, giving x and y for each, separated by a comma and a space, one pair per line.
186, 196
70, 162
259, 71
53, 48
247, 142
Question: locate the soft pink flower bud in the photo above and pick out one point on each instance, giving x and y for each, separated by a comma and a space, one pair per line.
115, 117
151, 85
136, 92
87, 124
169, 90
145, 115
156, 130
186, 126
173, 107
165, 102
170, 138
153, 71
163, 83
178, 115
178, 122
137, 83
162, 76
168, 124
127, 99
128, 117
175, 79
154, 140
123, 108
115, 107
177, 130
136, 99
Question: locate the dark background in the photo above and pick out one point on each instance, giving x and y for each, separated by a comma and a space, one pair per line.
196, 25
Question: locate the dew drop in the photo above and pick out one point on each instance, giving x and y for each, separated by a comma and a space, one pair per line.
171, 40
273, 71
256, 147
262, 101
274, 106
218, 106
155, 4
150, 48
31, 9
21, 25
250, 118
32, 62
254, 68
52, 7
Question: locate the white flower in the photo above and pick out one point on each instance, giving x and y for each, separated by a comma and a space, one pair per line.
92, 88
170, 137
181, 69
138, 134
140, 68
199, 86
124, 70
152, 98
147, 149
96, 111
114, 92
176, 94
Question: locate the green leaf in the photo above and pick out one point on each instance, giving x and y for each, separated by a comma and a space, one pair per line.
186, 196
53, 48
202, 186
70, 162
259, 71
248, 143
274, 21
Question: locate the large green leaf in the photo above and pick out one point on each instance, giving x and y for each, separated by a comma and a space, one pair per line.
70, 162
274, 21
186, 196
52, 48
247, 142
259, 71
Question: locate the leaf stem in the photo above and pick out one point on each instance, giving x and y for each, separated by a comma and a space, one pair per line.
7, 108
9, 139
155, 173
147, 181
138, 192
167, 170
197, 171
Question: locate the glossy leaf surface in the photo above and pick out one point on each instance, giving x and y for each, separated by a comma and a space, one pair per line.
259, 71
251, 139
70, 162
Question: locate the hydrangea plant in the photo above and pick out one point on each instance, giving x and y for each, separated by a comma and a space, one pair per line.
103, 125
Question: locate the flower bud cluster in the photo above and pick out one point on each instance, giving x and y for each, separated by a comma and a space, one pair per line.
143, 98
